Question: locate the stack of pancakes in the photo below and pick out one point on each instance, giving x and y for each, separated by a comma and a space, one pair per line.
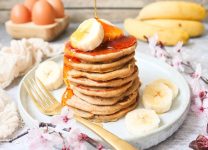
104, 82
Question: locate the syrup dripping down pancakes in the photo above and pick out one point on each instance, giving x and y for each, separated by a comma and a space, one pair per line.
103, 83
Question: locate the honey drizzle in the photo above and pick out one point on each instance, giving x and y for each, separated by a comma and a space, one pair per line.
105, 48
66, 96
95, 9
68, 92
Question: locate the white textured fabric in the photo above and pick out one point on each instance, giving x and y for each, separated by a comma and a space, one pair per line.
21, 55
9, 116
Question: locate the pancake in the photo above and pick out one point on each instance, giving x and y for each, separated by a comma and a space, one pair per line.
78, 103
110, 83
102, 57
104, 118
123, 72
100, 67
111, 100
101, 92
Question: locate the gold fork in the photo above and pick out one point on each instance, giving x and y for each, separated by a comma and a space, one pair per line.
48, 105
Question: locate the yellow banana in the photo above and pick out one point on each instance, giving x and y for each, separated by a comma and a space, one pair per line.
193, 28
168, 36
173, 10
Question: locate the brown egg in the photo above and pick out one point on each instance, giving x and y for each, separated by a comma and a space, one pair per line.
58, 7
20, 14
43, 13
29, 4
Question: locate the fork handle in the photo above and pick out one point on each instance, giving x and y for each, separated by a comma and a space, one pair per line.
110, 138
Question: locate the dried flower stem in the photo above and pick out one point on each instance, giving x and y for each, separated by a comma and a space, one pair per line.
86, 138
17, 137
186, 64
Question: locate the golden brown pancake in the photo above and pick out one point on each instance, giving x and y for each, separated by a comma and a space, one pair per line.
110, 83
123, 72
108, 101
101, 67
104, 118
104, 57
102, 92
78, 103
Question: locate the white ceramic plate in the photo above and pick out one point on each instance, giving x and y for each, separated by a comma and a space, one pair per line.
149, 70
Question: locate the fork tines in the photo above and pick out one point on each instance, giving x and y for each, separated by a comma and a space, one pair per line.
43, 99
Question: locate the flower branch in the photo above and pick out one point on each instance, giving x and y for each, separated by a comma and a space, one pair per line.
60, 133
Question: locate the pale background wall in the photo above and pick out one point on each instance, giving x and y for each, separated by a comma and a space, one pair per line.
114, 10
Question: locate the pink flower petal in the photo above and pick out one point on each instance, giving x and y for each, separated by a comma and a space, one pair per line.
178, 47
205, 103
198, 71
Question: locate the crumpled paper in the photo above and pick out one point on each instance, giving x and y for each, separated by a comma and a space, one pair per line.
18, 58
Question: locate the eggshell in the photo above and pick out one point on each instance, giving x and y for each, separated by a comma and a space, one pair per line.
58, 7
29, 4
43, 13
20, 14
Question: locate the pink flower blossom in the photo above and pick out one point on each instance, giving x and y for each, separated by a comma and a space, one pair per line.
195, 84
177, 48
177, 62
39, 139
156, 49
73, 141
64, 120
200, 104
197, 106
160, 53
197, 73
153, 43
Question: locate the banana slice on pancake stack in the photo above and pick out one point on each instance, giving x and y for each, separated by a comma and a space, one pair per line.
100, 71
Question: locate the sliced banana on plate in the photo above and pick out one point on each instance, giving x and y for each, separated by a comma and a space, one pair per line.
141, 121
9, 116
88, 35
50, 74
157, 96
170, 84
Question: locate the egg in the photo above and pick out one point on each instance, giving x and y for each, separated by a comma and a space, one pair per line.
58, 7
43, 13
20, 14
29, 4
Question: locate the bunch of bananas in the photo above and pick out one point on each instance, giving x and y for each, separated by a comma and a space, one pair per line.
173, 21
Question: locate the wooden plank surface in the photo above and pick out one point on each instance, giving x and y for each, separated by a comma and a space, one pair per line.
113, 10
78, 15
7, 4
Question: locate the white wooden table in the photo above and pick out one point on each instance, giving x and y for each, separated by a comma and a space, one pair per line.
196, 51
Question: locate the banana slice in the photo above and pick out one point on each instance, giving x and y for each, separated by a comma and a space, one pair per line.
141, 121
50, 74
157, 96
170, 84
88, 35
